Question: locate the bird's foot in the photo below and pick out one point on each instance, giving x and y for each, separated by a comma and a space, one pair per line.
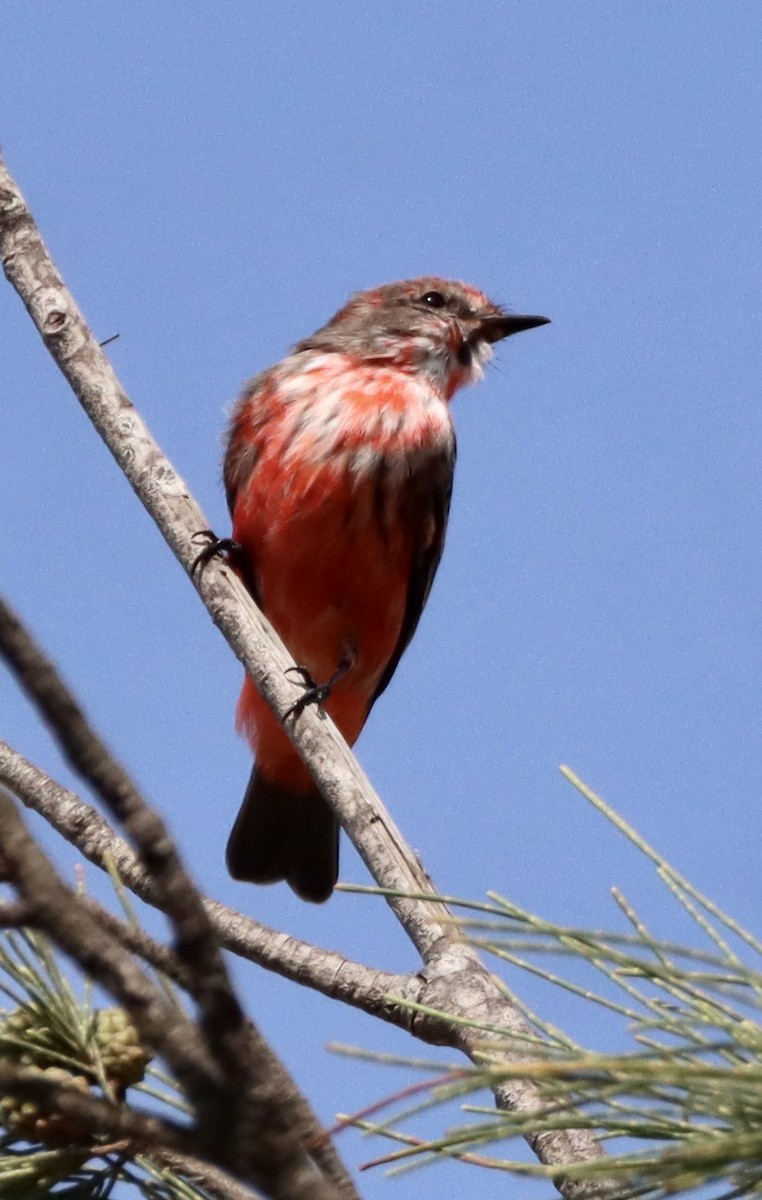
315, 693
225, 548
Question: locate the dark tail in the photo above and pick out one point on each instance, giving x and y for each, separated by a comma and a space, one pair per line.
280, 834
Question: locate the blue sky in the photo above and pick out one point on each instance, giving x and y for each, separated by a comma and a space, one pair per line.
213, 181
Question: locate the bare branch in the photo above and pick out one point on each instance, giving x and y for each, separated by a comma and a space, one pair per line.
57, 910
14, 915
165, 495
453, 970
325, 971
280, 1120
221, 1015
218, 1184
242, 1103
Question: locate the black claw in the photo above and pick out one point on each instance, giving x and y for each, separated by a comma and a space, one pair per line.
226, 548
314, 693
304, 674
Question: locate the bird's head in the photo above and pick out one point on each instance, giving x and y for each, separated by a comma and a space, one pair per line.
440, 328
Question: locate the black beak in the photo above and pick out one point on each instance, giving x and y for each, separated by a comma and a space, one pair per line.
493, 329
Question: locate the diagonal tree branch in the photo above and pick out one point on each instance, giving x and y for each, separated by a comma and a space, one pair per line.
241, 1101
273, 1156
216, 1183
221, 1014
56, 909
165, 495
326, 971
462, 984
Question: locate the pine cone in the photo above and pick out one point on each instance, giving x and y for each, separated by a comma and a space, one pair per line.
33, 1120
124, 1058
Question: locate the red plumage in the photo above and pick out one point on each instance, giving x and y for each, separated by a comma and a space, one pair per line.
338, 473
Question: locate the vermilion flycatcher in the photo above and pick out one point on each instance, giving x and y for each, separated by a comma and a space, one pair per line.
338, 472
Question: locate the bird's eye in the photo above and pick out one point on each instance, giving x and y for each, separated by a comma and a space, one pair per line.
433, 299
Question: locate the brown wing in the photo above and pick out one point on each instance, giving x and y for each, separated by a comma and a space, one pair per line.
242, 445
242, 452
429, 505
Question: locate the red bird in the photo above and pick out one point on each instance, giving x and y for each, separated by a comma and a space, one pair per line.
338, 472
